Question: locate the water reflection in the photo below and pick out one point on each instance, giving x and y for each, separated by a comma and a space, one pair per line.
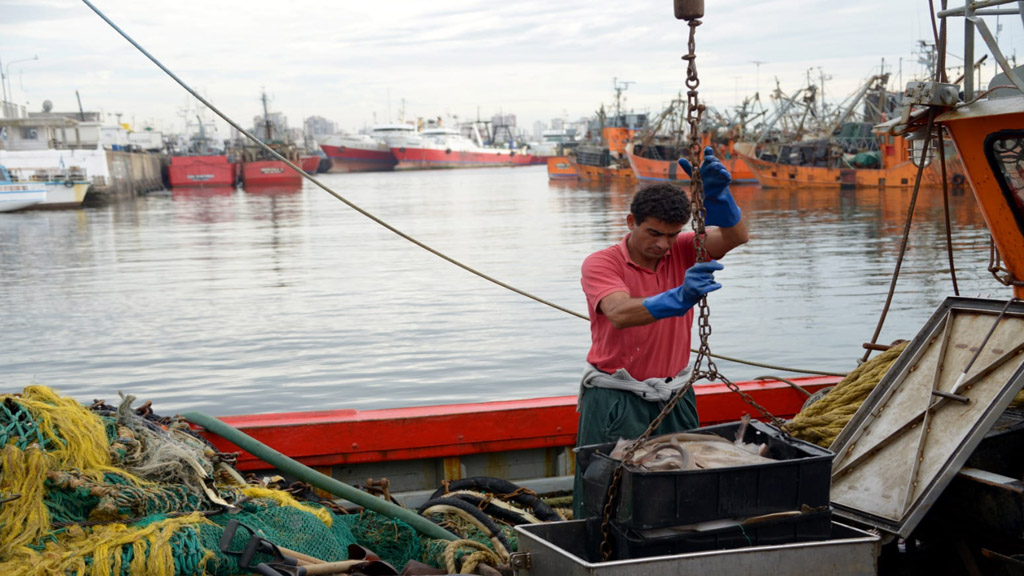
237, 301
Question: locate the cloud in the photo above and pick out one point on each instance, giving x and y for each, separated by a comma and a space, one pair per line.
357, 62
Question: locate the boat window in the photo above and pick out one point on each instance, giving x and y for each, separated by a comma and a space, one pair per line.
1005, 153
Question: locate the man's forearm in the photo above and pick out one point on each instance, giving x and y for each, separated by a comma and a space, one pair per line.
722, 240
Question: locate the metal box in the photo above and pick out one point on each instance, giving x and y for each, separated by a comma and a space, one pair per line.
560, 549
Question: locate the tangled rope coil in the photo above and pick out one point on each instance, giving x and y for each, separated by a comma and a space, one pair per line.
482, 554
822, 421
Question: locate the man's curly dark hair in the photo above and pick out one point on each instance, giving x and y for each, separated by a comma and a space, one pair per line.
662, 201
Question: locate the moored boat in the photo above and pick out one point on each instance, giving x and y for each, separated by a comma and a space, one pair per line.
269, 172
663, 166
310, 163
19, 195
201, 170
448, 148
202, 160
605, 161
365, 152
850, 156
260, 168
65, 187
561, 168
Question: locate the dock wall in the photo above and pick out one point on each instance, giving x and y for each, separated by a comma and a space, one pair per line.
130, 173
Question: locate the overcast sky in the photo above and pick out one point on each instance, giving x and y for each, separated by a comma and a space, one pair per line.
359, 62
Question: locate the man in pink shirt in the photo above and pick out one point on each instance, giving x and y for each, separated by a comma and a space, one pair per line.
639, 295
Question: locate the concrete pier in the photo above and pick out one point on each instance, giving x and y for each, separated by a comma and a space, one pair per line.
128, 174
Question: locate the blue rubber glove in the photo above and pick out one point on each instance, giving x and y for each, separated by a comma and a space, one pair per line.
720, 209
700, 279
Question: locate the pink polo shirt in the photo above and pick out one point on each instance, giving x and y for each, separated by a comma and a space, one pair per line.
657, 350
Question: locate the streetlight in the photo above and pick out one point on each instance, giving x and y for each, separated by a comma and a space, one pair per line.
5, 76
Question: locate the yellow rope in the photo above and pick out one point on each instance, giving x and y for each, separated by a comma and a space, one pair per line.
78, 438
151, 547
470, 561
822, 421
26, 519
285, 499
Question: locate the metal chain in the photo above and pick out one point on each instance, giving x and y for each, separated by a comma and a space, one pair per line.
996, 268
694, 113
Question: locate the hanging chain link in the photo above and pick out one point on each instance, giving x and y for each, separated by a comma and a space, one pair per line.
694, 115
996, 268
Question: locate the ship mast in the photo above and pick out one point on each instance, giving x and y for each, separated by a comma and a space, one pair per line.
266, 117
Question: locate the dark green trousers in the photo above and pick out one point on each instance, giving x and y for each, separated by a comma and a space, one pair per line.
607, 415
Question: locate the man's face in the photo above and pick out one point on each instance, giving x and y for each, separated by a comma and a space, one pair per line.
652, 238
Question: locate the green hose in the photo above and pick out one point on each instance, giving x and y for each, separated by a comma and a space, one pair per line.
310, 476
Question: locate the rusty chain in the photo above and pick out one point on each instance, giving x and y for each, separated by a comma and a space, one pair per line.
694, 115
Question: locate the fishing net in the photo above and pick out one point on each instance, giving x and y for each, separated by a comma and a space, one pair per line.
104, 491
110, 492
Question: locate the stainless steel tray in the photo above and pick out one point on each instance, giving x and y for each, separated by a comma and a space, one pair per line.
560, 549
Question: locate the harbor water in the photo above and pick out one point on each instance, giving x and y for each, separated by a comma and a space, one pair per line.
236, 302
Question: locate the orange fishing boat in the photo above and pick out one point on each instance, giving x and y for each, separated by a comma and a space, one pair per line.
560, 168
896, 171
664, 167
605, 162
852, 155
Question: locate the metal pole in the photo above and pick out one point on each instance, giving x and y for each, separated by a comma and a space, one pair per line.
3, 84
6, 73
968, 53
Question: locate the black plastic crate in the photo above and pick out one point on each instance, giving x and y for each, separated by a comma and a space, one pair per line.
629, 543
799, 477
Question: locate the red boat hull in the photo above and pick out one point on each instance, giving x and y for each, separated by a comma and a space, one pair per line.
426, 158
269, 173
201, 171
346, 159
347, 437
309, 164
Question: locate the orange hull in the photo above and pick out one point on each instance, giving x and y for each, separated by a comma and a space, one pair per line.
603, 174
902, 175
560, 168
669, 170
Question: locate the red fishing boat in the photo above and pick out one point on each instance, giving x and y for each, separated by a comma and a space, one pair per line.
269, 173
200, 171
366, 152
260, 168
448, 148
202, 161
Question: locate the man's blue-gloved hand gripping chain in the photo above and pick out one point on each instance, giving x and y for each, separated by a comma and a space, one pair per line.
700, 279
720, 209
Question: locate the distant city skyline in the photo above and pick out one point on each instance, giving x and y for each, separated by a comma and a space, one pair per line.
356, 64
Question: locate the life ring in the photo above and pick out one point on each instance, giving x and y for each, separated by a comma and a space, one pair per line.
958, 180
69, 184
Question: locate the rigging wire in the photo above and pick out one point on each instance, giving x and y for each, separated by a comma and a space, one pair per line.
375, 218
906, 236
